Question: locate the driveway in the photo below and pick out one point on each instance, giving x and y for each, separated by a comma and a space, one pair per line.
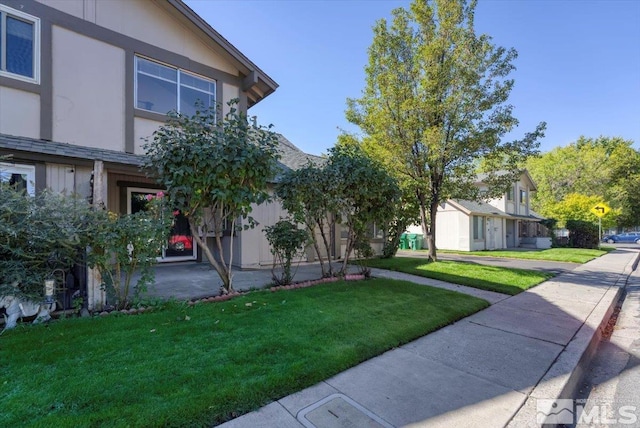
541, 265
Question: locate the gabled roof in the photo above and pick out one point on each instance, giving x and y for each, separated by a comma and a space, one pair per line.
482, 176
484, 209
256, 82
292, 156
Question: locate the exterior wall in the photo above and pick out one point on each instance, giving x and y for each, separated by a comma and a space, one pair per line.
143, 128
255, 249
87, 69
88, 91
69, 179
19, 113
125, 16
453, 231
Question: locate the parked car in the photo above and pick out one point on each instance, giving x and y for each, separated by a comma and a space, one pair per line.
623, 237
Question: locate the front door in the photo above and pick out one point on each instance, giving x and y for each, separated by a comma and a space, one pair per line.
491, 234
180, 245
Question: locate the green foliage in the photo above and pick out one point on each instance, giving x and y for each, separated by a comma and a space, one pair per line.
123, 246
604, 168
583, 234
575, 206
364, 194
40, 237
220, 167
306, 194
435, 102
350, 188
286, 241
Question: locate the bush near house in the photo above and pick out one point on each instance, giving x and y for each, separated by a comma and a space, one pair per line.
583, 234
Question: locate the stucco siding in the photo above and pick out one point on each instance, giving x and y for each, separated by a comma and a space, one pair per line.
72, 7
19, 113
88, 91
164, 29
229, 92
143, 129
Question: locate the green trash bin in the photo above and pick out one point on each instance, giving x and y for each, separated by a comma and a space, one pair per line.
413, 240
404, 242
419, 241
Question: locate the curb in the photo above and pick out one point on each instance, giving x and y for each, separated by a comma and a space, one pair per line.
565, 375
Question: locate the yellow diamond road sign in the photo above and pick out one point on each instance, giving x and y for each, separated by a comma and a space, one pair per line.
601, 210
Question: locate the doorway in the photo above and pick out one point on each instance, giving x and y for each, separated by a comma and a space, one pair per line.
180, 246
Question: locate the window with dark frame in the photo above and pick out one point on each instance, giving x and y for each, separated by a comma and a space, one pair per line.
19, 44
523, 196
161, 88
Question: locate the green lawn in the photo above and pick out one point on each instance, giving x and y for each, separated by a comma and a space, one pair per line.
571, 255
202, 365
492, 278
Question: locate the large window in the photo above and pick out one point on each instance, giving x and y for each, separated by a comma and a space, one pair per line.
161, 88
19, 44
478, 227
523, 196
19, 177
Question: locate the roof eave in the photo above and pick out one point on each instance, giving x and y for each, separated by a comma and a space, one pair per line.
246, 66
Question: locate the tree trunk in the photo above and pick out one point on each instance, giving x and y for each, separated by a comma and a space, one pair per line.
431, 236
224, 274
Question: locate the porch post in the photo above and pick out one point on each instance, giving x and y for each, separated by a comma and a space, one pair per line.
96, 297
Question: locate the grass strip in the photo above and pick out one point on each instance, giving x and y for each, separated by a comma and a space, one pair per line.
203, 365
569, 255
493, 278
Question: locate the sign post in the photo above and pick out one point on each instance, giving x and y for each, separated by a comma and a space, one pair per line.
600, 210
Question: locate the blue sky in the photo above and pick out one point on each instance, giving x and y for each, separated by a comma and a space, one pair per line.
578, 67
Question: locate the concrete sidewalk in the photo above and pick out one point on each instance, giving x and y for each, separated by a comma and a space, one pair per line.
489, 369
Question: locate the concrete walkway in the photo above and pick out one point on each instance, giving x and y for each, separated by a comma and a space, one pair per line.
491, 369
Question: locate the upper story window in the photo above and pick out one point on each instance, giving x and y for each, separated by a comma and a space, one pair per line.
19, 177
510, 194
523, 196
161, 88
19, 45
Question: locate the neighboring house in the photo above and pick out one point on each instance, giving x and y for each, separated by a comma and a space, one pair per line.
83, 82
505, 222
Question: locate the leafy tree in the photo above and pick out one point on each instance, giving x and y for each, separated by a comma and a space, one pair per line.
125, 245
214, 168
307, 195
286, 240
577, 207
604, 168
350, 189
365, 194
435, 102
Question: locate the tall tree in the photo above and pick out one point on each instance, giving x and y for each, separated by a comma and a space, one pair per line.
214, 168
435, 102
606, 168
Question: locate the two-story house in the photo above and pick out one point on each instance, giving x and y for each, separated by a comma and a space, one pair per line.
84, 82
505, 222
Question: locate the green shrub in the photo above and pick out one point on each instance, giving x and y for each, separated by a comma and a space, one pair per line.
582, 234
286, 241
